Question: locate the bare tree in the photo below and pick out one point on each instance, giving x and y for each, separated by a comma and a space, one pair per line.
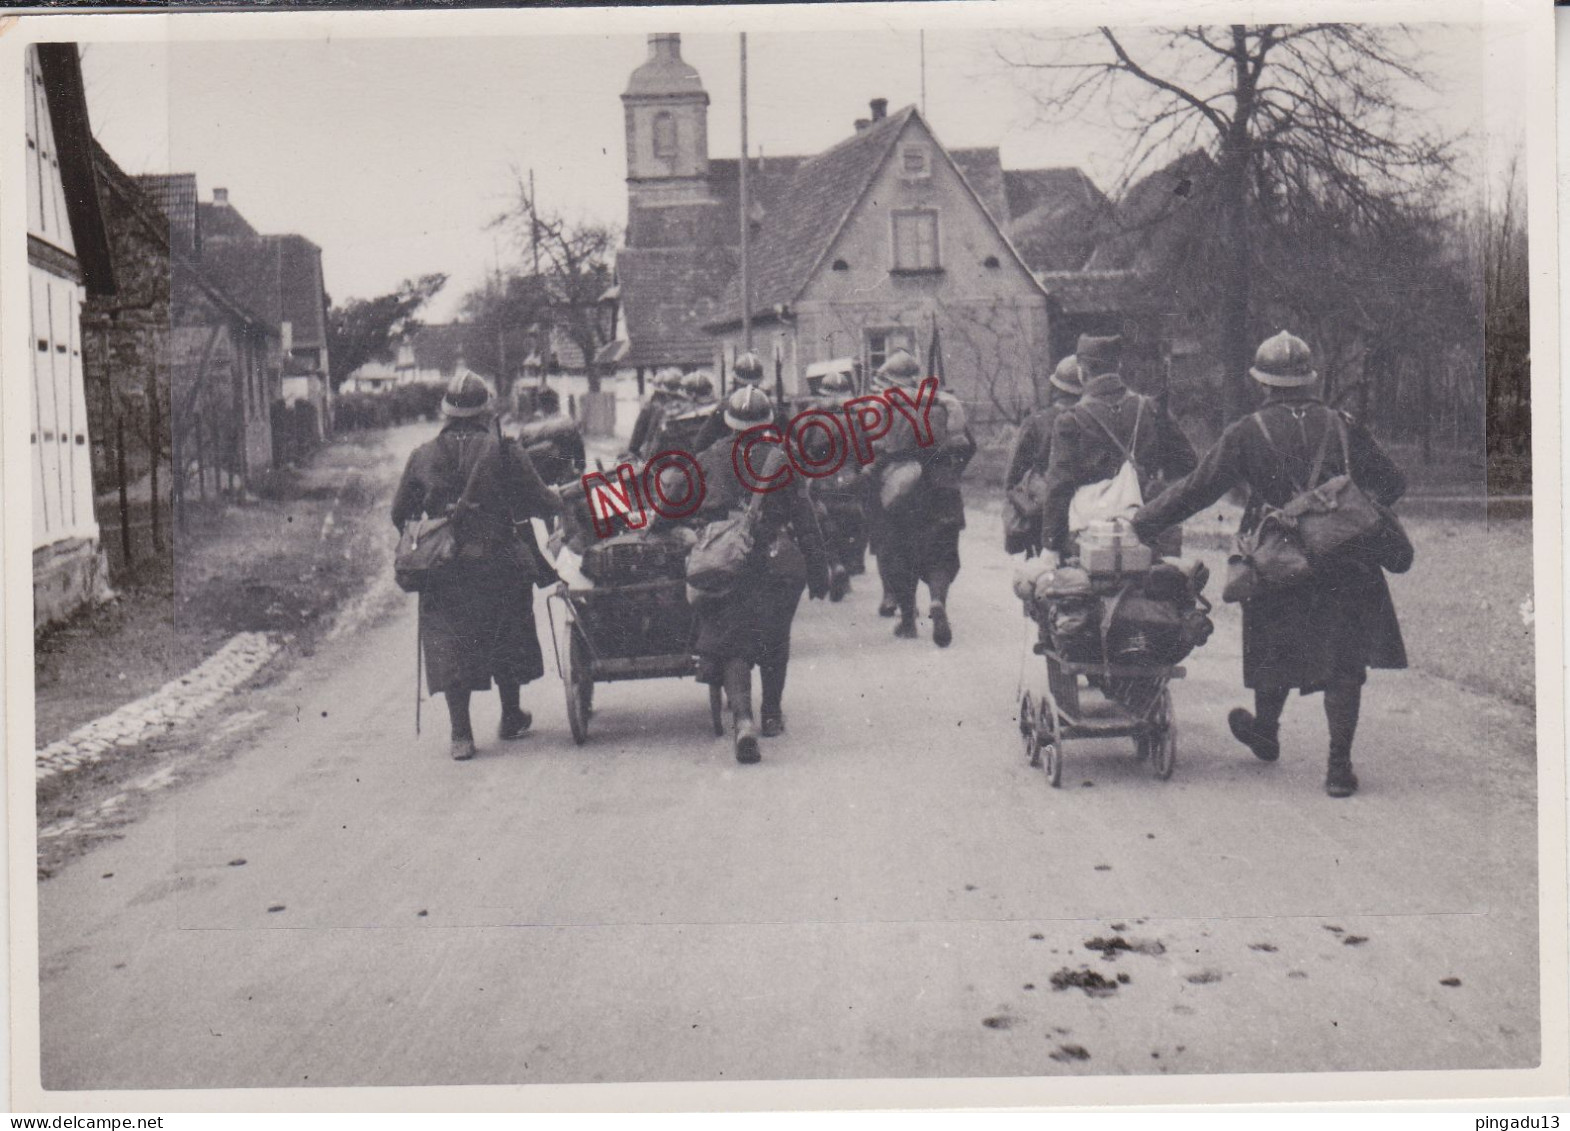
1288, 113
991, 357
1500, 242
575, 265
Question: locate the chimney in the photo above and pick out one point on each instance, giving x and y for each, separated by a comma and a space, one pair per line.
880, 109
862, 123
665, 45
221, 197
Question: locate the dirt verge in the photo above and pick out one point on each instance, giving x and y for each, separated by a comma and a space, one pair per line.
282, 563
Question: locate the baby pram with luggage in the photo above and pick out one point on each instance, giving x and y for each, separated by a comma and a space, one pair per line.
1112, 626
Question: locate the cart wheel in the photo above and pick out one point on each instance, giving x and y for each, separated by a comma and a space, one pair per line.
1051, 744
1027, 728
717, 709
1162, 742
579, 685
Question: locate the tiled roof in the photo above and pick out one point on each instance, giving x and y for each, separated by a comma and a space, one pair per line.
1057, 216
983, 168
278, 278
1089, 292
248, 270
138, 206
1154, 215
303, 295
223, 221
668, 295
811, 211
175, 196
716, 221
1056, 187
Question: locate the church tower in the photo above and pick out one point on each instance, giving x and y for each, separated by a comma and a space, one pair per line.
667, 113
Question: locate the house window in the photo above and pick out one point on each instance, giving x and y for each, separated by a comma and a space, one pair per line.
664, 134
882, 343
915, 162
916, 240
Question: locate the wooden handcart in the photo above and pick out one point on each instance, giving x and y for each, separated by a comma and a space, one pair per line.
607, 634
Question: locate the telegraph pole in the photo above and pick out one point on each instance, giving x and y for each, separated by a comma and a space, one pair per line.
746, 223
534, 226
923, 74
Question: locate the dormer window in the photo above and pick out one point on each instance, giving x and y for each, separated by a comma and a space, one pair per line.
915, 162
664, 135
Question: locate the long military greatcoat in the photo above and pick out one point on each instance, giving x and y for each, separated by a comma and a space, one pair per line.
1030, 457
1342, 621
753, 622
477, 624
918, 539
1032, 449
1083, 453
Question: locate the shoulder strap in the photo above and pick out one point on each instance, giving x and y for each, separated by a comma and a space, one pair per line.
1319, 458
1133, 437
465, 500
1346, 447
1324, 446
1127, 450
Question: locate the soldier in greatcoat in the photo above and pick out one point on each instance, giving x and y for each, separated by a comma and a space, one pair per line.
918, 533
1089, 438
477, 618
678, 428
747, 370
841, 497
1323, 634
1025, 479
667, 397
751, 625
553, 440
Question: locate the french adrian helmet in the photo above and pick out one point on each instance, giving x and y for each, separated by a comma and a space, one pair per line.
901, 368
748, 407
698, 385
1067, 376
1284, 362
835, 383
468, 394
748, 369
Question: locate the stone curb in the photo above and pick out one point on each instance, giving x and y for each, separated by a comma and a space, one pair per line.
176, 702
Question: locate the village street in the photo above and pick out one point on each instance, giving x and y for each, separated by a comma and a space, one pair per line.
889, 893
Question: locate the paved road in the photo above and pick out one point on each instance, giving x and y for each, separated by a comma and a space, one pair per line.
888, 894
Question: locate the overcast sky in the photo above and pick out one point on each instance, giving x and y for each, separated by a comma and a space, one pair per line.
394, 154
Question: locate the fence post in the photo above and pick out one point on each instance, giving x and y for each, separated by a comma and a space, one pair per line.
156, 445
125, 497
177, 475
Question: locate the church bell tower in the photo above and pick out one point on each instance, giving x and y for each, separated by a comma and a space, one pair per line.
667, 113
